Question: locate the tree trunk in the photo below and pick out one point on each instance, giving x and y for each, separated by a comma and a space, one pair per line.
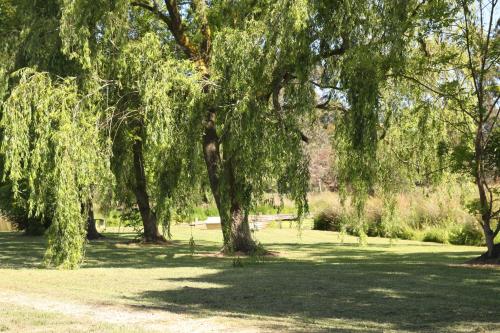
234, 222
241, 238
151, 233
489, 236
485, 205
92, 232
211, 154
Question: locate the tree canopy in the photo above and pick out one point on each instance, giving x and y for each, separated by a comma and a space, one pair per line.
160, 100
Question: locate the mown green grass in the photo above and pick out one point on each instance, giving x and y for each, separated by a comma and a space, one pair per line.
319, 282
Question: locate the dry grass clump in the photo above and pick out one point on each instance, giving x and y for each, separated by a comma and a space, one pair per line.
5, 223
437, 215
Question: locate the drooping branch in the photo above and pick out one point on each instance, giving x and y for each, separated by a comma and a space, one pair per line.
277, 86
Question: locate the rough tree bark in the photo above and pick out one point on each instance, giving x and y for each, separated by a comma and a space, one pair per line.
241, 238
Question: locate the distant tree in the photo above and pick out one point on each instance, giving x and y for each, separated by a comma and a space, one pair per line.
465, 55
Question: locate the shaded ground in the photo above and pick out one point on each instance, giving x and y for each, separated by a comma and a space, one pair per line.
317, 284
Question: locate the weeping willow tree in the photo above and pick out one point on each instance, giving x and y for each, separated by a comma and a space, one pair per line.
29, 38
32, 40
415, 137
153, 154
52, 138
252, 62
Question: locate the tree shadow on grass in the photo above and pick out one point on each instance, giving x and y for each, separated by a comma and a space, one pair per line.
18, 251
334, 287
357, 287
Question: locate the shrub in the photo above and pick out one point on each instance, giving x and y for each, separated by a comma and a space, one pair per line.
329, 219
133, 219
436, 235
402, 232
467, 234
427, 214
375, 224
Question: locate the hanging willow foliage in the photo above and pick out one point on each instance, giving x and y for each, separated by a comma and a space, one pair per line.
166, 93
52, 138
219, 89
263, 100
256, 61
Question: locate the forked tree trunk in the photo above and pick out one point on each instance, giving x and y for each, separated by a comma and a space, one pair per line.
148, 216
234, 222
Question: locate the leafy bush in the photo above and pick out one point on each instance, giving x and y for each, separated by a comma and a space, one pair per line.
329, 220
433, 215
401, 231
132, 218
467, 234
375, 224
436, 235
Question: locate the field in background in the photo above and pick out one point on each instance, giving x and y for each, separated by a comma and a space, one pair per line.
318, 282
435, 215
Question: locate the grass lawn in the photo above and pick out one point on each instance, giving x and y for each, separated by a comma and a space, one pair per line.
318, 283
